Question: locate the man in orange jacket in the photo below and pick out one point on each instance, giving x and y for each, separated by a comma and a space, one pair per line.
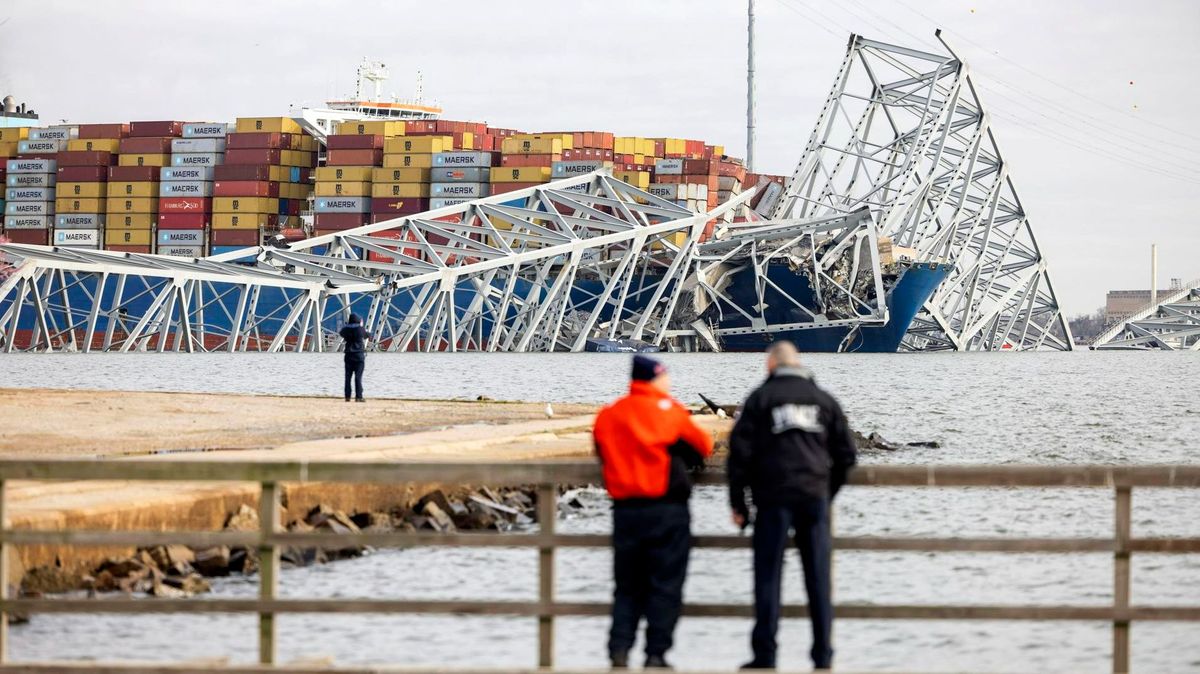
647, 442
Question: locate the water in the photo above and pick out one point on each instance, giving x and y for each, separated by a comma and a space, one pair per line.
982, 408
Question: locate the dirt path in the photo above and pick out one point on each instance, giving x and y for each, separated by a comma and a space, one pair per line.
54, 422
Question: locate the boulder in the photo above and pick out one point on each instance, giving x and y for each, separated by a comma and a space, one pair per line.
170, 556
245, 519
437, 517
243, 560
190, 585
214, 561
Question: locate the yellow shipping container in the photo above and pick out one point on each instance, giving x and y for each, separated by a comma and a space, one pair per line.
377, 128
132, 205
718, 150
94, 144
400, 175
86, 190
567, 139
295, 158
408, 160
345, 189
407, 144
633, 145
290, 190
144, 160
270, 124
130, 221
79, 205
639, 179
521, 174
8, 149
530, 145
340, 173
404, 190
307, 143
133, 189
128, 237
245, 205
240, 220
13, 134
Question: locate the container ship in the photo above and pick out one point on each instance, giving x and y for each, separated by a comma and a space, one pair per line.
194, 189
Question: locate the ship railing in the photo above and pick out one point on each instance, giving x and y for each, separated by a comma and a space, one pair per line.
548, 477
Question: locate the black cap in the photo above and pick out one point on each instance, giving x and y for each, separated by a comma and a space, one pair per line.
645, 368
354, 319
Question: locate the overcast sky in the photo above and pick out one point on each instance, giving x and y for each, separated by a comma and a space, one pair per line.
1093, 102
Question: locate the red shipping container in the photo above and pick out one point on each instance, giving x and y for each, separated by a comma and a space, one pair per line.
93, 131
354, 142
355, 158
417, 126
184, 205
502, 188
122, 248
341, 221
134, 173
33, 237
235, 237
699, 167
82, 174
140, 145
398, 206
259, 140
252, 156
245, 188
183, 220
486, 143
730, 169
242, 172
518, 160
142, 129
84, 158
37, 155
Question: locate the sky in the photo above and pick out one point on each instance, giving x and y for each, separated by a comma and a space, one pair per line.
1092, 102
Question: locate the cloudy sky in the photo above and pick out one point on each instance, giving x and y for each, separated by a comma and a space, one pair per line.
1093, 101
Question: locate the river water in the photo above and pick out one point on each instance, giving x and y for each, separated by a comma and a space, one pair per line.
1109, 408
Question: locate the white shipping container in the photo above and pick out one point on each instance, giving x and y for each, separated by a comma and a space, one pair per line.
29, 193
205, 130
668, 191
435, 204
82, 238
27, 222
32, 166
198, 145
197, 158
63, 133
32, 180
173, 173
181, 251
770, 196
79, 221
462, 159
568, 169
27, 208
728, 183
189, 188
343, 205
668, 167
40, 146
460, 190
181, 237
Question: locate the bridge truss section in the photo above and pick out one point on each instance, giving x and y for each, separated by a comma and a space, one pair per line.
1171, 325
904, 133
541, 269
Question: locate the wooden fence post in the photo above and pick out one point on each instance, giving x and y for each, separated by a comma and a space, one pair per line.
547, 512
1121, 582
268, 568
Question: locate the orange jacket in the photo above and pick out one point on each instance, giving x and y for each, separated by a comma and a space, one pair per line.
645, 442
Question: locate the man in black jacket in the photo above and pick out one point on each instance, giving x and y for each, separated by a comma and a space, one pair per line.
793, 448
355, 359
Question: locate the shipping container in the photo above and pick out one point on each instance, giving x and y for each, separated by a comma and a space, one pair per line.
435, 204
31, 180
84, 158
237, 237
156, 128
254, 156
417, 144
115, 221
155, 160
29, 193
259, 141
354, 158
91, 190
460, 190
569, 169
121, 248
197, 159
134, 173
13, 134
31, 166
180, 251
344, 173
246, 188
342, 205
408, 160
128, 237
672, 167
110, 131
181, 237
132, 205
77, 238
40, 146
478, 174
465, 159
81, 174
270, 124
251, 172
531, 145
297, 158
371, 128
13, 222
31, 237
79, 221
63, 133
519, 160
152, 145
400, 175
406, 190
394, 206
93, 145
205, 130
189, 188
354, 142
525, 174
198, 145
186, 173
340, 221
346, 189
184, 205
245, 205
138, 189
78, 205
243, 221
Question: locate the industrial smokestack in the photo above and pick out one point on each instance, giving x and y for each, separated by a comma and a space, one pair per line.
1154, 274
750, 85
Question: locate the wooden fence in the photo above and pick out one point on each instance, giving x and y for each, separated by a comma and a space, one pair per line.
548, 476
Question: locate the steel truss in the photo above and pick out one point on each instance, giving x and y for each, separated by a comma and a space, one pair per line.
1171, 325
904, 133
541, 269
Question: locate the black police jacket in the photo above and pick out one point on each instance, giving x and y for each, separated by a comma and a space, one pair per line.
790, 442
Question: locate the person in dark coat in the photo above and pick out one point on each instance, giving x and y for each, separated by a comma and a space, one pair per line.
647, 443
355, 337
792, 447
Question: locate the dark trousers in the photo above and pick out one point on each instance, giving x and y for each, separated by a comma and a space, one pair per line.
772, 525
651, 543
355, 364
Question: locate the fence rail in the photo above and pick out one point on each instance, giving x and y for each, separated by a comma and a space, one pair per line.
548, 476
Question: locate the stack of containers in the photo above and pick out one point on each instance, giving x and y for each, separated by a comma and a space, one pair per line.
82, 188
133, 186
185, 189
460, 176
590, 150
527, 159
263, 184
29, 206
27, 210
402, 186
634, 159
343, 186
9, 138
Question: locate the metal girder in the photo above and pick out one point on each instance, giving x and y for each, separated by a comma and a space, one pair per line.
904, 134
540, 269
1171, 325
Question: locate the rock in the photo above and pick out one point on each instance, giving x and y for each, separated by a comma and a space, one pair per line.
437, 497
297, 556
493, 505
243, 560
245, 519
190, 585
337, 522
123, 568
104, 582
168, 556
482, 399
928, 444
481, 517
50, 579
213, 561
166, 591
437, 517
874, 441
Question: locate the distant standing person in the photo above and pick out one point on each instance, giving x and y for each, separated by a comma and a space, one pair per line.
355, 337
647, 441
792, 447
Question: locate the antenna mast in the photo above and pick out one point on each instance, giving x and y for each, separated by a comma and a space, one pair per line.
750, 86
